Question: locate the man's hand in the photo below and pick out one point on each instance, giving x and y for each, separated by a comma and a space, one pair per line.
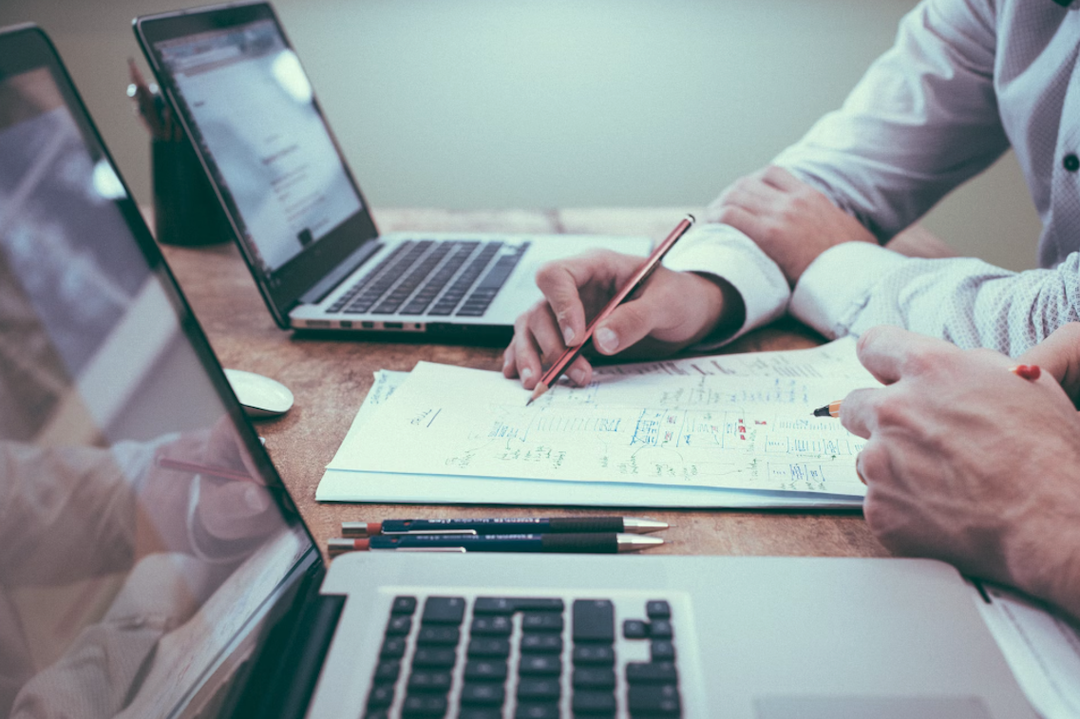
971, 464
792, 222
672, 310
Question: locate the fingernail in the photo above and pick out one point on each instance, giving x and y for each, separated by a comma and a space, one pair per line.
578, 375
568, 336
526, 374
607, 340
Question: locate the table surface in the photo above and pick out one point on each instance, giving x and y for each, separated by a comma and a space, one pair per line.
329, 378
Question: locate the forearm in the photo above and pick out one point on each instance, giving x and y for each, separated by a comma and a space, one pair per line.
921, 121
963, 300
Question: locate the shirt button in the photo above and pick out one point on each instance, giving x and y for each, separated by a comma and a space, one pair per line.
1071, 162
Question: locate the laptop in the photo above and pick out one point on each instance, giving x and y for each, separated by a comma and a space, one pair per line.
296, 211
154, 565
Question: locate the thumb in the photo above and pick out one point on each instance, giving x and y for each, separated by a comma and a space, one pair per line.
1059, 356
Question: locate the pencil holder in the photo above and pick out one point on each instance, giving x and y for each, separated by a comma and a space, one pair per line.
186, 210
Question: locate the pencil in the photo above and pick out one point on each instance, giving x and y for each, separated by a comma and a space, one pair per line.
1024, 371
647, 268
220, 472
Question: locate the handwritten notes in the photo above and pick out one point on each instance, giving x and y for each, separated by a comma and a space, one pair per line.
731, 421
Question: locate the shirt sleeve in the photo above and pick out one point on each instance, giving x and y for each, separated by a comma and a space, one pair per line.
965, 301
723, 251
922, 120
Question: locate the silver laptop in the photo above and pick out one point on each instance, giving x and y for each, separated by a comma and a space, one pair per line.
153, 565
296, 211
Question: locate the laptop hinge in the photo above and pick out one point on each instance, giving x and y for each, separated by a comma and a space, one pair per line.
283, 679
326, 285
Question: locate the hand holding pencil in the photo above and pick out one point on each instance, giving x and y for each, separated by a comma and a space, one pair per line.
670, 311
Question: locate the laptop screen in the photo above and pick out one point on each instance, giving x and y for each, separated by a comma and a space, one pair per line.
144, 532
253, 108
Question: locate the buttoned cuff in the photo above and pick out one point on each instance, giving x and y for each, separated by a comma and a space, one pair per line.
724, 252
836, 286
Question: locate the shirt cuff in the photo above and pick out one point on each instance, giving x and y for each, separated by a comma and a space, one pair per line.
836, 286
723, 251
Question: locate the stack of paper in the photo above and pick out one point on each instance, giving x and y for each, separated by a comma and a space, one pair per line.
723, 431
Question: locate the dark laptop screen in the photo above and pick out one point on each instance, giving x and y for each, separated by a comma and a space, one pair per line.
143, 534
254, 111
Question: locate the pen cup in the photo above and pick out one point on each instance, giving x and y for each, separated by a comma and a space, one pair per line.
186, 210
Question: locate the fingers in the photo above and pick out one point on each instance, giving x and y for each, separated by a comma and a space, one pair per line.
889, 352
1059, 355
858, 411
537, 342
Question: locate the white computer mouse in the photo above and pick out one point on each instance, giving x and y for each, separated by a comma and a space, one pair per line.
260, 396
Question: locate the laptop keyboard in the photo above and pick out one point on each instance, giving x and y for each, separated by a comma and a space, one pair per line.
410, 278
524, 658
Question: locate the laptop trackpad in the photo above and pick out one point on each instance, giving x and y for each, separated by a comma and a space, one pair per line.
846, 707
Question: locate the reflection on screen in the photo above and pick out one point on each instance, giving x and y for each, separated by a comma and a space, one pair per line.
137, 536
255, 116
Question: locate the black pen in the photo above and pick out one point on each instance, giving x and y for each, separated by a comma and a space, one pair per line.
509, 525
593, 542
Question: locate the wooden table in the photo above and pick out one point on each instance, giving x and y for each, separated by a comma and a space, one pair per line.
330, 377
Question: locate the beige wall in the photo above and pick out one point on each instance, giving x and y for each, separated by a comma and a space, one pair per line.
530, 103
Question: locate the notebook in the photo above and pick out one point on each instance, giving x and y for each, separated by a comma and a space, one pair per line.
298, 215
153, 564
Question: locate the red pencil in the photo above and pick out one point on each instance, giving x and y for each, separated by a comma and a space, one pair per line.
570, 353
194, 468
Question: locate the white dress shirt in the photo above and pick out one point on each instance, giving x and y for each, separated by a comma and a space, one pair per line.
965, 80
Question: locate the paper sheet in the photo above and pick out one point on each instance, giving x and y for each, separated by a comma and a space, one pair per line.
734, 421
349, 486
1042, 649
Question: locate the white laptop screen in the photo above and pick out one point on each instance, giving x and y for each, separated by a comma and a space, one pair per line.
255, 114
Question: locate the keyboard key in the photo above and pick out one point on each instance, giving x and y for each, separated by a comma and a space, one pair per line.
438, 636
429, 681
533, 665
399, 624
387, 672
434, 658
485, 670
381, 695
658, 609
593, 702
421, 706
403, 605
376, 714
542, 643
537, 710
483, 647
661, 629
541, 622
534, 689
497, 625
594, 621
597, 655
661, 650
487, 694
651, 672
479, 713
635, 629
594, 678
509, 605
659, 699
393, 648
443, 610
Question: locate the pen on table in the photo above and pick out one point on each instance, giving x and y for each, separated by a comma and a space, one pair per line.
195, 468
1023, 371
647, 268
594, 542
510, 525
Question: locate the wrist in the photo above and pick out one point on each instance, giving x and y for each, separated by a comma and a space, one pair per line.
727, 308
